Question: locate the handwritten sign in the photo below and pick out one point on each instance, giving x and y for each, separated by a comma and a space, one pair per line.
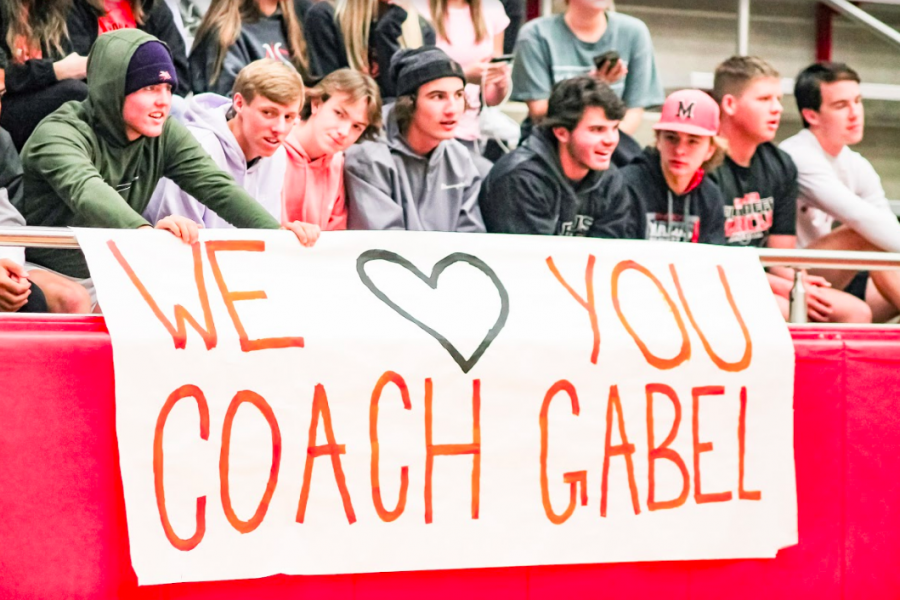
412, 401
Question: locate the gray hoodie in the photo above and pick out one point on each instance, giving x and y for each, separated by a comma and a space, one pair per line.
205, 117
391, 187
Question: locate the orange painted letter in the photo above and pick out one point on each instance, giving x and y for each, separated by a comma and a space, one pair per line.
663, 451
700, 447
432, 449
262, 406
387, 515
182, 316
729, 367
660, 363
185, 391
742, 448
587, 304
573, 478
624, 449
332, 448
229, 297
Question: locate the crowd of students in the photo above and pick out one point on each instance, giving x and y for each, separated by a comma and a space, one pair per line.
367, 114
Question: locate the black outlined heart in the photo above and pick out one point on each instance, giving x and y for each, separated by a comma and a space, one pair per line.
465, 364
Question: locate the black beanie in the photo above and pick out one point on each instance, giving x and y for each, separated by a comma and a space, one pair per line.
151, 64
412, 68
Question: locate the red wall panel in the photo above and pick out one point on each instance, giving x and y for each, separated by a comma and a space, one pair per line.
63, 517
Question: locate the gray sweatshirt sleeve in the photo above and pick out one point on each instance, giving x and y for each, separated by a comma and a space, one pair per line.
168, 199
373, 195
10, 217
470, 219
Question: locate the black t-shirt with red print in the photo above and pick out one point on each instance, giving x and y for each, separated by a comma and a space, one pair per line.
760, 200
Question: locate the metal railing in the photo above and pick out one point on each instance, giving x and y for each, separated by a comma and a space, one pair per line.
61, 238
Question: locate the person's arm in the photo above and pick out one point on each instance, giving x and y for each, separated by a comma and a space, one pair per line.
712, 221
82, 27
618, 214
643, 87
632, 120
168, 199
10, 217
470, 218
10, 169
515, 11
532, 78
518, 201
782, 242
370, 183
59, 154
192, 169
870, 217
386, 39
160, 23
497, 77
14, 286
338, 219
324, 44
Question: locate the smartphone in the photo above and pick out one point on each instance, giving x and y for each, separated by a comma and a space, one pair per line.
610, 58
503, 58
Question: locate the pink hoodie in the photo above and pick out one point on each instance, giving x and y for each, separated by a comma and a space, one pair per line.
313, 189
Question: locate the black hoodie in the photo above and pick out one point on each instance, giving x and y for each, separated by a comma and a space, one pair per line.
527, 192
695, 216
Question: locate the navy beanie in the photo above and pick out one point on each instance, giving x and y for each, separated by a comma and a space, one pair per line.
412, 68
151, 64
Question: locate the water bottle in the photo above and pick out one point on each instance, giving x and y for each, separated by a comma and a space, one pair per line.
798, 299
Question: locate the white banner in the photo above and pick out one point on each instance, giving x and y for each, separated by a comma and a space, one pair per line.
413, 401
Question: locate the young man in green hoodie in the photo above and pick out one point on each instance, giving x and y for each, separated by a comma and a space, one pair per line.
96, 163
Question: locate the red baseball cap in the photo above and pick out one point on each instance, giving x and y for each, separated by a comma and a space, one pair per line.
689, 111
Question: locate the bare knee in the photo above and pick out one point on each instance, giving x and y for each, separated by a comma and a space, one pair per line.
75, 299
69, 297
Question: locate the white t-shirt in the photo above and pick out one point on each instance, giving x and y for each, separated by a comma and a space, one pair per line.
845, 188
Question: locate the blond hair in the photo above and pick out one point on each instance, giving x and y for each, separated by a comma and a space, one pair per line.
354, 19
271, 79
224, 17
735, 74
47, 25
355, 86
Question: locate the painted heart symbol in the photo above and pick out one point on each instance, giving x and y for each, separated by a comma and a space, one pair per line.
465, 364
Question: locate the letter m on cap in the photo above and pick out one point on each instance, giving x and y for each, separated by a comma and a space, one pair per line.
685, 112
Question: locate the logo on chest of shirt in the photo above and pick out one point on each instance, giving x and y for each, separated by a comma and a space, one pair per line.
277, 52
579, 227
749, 218
679, 229
125, 187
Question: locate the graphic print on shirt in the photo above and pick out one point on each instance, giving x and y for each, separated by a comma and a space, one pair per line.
118, 16
749, 218
579, 227
662, 227
276, 51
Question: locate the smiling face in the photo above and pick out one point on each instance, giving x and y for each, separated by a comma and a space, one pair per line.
590, 145
261, 125
145, 111
439, 105
840, 118
338, 122
682, 154
757, 109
